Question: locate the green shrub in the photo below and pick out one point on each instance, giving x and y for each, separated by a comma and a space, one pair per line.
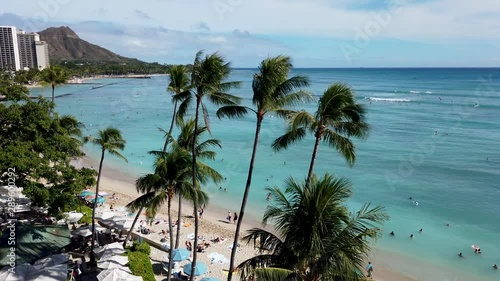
140, 265
87, 214
141, 247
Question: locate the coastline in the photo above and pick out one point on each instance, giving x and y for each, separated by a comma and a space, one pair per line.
213, 223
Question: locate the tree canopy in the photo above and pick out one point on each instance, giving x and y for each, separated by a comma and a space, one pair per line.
40, 147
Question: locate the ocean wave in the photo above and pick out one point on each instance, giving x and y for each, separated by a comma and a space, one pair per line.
428, 92
414, 92
387, 99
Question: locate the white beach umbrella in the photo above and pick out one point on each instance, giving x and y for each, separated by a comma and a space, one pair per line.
117, 274
16, 274
82, 231
51, 261
103, 193
53, 273
113, 262
110, 250
72, 217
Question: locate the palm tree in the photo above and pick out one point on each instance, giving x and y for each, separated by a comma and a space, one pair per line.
179, 82
337, 118
172, 171
205, 172
273, 91
109, 140
207, 81
54, 75
315, 237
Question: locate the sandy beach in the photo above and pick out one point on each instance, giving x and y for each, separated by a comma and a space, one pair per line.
212, 225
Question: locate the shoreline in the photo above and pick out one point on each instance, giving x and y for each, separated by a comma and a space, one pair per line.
115, 181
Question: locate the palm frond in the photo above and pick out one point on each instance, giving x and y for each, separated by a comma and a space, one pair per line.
233, 111
288, 138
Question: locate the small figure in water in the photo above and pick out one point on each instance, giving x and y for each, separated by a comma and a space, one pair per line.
392, 233
411, 236
460, 255
411, 198
495, 266
420, 230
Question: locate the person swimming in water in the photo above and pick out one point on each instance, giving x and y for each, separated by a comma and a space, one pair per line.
461, 255
392, 233
421, 230
411, 236
495, 266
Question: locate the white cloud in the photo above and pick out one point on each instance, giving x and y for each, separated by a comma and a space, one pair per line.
417, 20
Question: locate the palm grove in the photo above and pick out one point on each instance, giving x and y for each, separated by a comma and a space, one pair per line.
315, 237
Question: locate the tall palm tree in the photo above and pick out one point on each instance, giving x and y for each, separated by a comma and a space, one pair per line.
54, 75
179, 83
205, 172
171, 171
314, 235
109, 140
207, 81
273, 91
337, 119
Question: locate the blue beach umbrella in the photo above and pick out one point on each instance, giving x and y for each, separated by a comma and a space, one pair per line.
180, 255
100, 200
86, 193
209, 279
201, 269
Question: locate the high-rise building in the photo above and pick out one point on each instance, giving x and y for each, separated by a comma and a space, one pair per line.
42, 54
9, 49
27, 50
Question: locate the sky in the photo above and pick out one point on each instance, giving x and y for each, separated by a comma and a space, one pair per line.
315, 33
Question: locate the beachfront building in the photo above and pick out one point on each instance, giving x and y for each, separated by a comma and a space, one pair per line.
27, 52
33, 53
22, 50
42, 54
9, 49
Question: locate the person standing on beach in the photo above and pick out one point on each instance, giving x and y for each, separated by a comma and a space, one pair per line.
369, 270
228, 216
235, 217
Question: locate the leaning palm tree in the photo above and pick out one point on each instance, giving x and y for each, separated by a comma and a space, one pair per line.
315, 237
109, 140
171, 171
273, 91
54, 75
337, 118
179, 83
207, 81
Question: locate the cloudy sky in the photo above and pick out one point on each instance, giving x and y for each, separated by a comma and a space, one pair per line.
315, 33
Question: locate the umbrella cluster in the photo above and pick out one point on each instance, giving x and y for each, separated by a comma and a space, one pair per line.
91, 196
52, 268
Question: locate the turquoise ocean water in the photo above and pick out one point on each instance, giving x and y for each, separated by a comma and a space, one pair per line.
435, 137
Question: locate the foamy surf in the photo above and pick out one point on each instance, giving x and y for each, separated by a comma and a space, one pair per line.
388, 99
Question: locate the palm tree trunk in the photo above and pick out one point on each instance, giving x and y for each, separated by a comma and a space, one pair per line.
245, 198
167, 140
170, 231
53, 91
179, 217
195, 199
129, 234
92, 256
313, 158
